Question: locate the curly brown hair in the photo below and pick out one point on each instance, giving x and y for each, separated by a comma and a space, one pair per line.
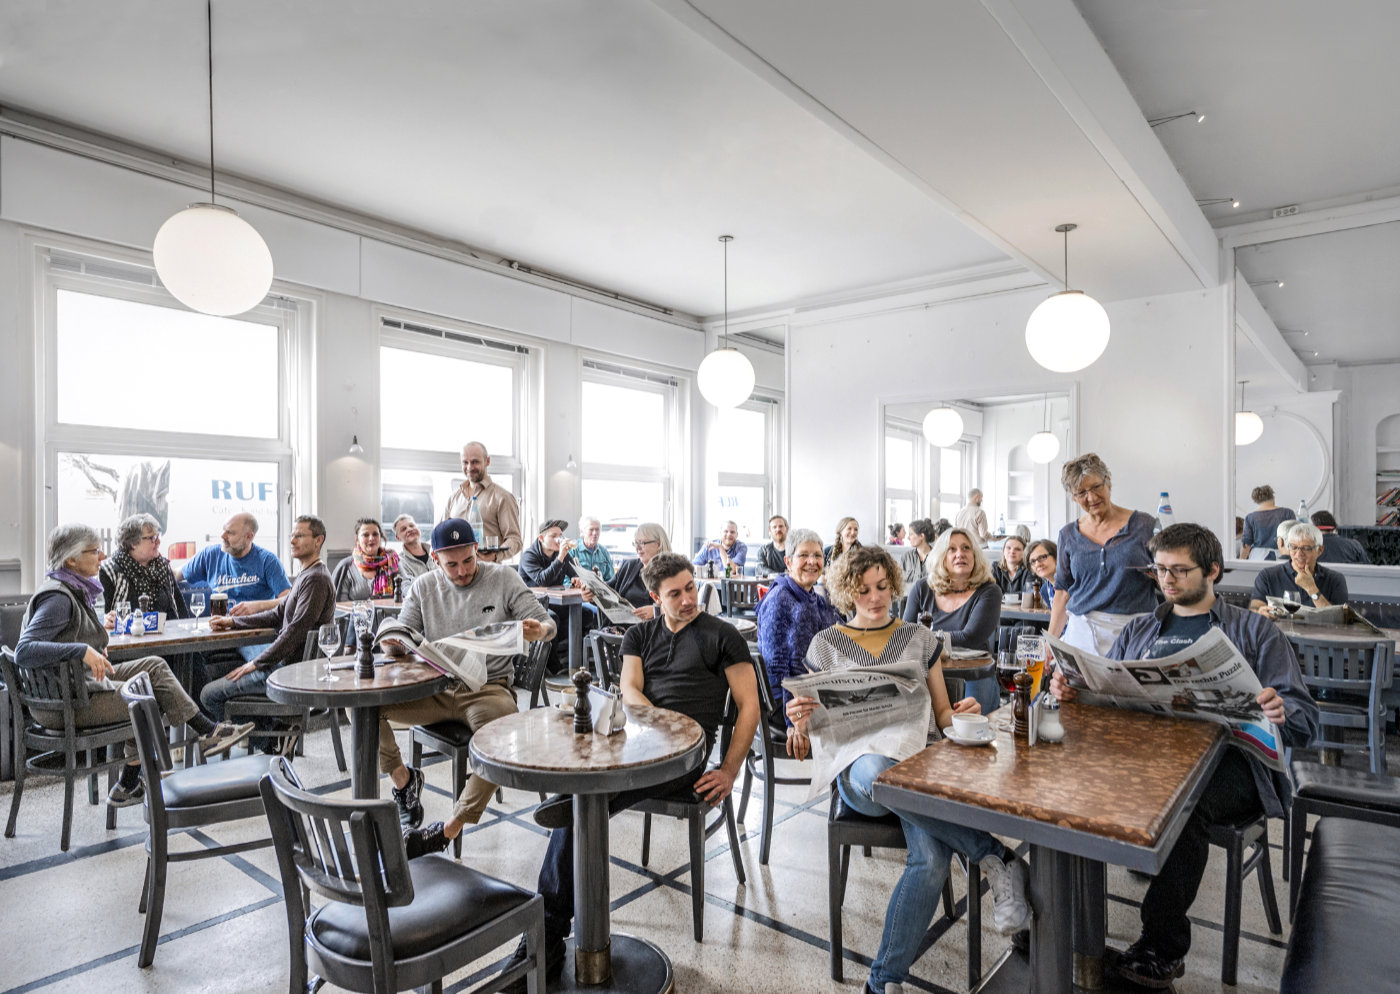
1261, 493
843, 576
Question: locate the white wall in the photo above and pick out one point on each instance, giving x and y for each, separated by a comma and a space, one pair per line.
1155, 406
1005, 428
344, 275
1369, 395
1294, 455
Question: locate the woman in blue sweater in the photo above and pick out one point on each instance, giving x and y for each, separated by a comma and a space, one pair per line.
789, 615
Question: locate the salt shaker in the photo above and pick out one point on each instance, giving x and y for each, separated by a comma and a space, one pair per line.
1050, 730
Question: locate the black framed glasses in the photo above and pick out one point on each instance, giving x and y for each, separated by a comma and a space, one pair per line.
1176, 572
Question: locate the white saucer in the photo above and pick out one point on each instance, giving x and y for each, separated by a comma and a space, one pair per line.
986, 738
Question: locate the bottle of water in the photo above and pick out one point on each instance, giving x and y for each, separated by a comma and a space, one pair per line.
474, 519
1165, 518
1001, 524
1303, 510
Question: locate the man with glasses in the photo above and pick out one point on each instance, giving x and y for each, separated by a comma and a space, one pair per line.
1300, 574
1187, 560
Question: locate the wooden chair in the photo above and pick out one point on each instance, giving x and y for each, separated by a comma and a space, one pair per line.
743, 599
59, 688
1348, 679
604, 649
769, 746
1252, 837
388, 924
259, 705
187, 798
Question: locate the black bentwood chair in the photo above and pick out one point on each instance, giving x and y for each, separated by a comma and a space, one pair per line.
189, 798
389, 924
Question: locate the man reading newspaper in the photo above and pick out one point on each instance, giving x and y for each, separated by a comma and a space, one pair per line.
461, 593
1188, 560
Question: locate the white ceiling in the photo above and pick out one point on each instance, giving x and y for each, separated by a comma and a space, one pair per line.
1299, 98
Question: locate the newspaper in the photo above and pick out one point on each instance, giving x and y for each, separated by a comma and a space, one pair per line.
1208, 680
883, 710
462, 655
606, 599
1334, 615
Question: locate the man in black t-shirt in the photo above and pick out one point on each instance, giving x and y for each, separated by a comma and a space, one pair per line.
684, 660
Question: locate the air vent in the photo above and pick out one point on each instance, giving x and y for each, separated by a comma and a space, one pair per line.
106, 269
631, 374
442, 334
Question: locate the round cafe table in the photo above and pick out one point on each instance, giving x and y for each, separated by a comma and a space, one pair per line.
538, 750
395, 681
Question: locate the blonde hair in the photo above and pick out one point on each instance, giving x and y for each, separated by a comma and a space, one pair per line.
1012, 538
836, 547
843, 576
650, 531
940, 581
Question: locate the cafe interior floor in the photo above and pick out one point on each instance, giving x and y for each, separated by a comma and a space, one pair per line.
72, 924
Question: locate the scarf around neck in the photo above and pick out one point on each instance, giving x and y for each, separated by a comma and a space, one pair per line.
134, 579
381, 570
89, 586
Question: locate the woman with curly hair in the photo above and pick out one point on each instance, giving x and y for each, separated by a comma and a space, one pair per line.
959, 596
846, 531
862, 584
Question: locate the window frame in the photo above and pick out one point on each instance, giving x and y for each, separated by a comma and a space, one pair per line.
130, 276
920, 475
771, 408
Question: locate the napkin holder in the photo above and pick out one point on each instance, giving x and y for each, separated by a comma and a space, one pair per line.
154, 622
609, 715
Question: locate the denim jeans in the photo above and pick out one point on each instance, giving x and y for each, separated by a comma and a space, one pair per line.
218, 692
931, 843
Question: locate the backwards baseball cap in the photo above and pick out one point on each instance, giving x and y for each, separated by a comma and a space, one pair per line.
453, 532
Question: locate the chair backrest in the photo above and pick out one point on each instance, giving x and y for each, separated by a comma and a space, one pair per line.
766, 704
1005, 638
1356, 667
743, 596
530, 668
12, 622
607, 657
152, 744
710, 600
58, 686
349, 851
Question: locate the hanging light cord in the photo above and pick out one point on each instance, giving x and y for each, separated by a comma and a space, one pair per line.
209, 34
1046, 411
726, 239
211, 157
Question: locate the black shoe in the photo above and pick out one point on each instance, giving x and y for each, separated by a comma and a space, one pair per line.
125, 797
422, 841
553, 964
410, 799
1146, 967
1021, 941
557, 812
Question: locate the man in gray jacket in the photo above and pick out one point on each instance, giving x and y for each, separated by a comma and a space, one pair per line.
462, 593
1188, 560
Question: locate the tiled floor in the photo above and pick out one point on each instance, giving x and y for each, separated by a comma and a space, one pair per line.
72, 925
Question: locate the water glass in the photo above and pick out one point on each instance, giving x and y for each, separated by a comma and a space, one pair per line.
121, 616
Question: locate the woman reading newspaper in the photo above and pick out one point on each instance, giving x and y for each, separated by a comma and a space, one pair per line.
862, 584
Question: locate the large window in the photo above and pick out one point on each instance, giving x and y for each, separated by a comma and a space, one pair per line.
632, 447
424, 421
150, 407
744, 451
904, 475
952, 473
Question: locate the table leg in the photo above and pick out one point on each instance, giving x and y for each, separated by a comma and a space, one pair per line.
364, 751
1052, 898
575, 635
1090, 922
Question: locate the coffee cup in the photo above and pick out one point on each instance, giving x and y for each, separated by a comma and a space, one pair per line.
218, 605
970, 726
566, 699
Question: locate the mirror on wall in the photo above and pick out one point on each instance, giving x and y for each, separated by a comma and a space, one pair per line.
923, 480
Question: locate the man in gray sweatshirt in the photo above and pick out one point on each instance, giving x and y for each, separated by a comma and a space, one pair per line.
461, 593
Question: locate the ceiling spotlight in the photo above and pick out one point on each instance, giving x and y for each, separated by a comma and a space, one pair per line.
1277, 283
1159, 121
1216, 201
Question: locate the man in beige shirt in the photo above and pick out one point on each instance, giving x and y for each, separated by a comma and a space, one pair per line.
973, 519
500, 514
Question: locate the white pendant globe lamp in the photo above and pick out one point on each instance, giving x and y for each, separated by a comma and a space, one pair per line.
1248, 425
208, 257
725, 376
1044, 445
1068, 330
943, 426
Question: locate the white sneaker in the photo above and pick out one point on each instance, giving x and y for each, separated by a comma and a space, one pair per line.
890, 988
1010, 910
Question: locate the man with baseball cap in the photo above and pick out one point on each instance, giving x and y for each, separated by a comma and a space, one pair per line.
461, 593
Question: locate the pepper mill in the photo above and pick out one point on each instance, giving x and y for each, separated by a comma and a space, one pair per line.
1021, 706
583, 708
364, 665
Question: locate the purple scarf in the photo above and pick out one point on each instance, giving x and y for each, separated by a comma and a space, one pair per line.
89, 586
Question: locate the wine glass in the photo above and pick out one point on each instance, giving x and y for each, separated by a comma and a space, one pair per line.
1292, 601
121, 615
328, 638
197, 606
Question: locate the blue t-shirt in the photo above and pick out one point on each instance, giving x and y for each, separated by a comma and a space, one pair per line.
1261, 527
1107, 577
258, 576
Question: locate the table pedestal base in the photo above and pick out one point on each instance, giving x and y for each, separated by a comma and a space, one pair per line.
638, 967
364, 751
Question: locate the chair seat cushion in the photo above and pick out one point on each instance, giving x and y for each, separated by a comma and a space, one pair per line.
1344, 933
214, 783
1346, 786
842, 812
449, 901
456, 734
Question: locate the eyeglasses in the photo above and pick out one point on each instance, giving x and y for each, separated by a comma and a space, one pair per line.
1177, 572
150, 538
1037, 560
642, 545
1302, 548
1097, 488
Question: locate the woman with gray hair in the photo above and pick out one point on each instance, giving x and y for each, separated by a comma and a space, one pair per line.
649, 540
138, 568
1300, 575
1101, 576
61, 626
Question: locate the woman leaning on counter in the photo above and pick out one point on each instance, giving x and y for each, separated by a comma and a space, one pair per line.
1101, 579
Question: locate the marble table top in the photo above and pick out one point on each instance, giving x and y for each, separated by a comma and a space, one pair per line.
395, 680
1118, 774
